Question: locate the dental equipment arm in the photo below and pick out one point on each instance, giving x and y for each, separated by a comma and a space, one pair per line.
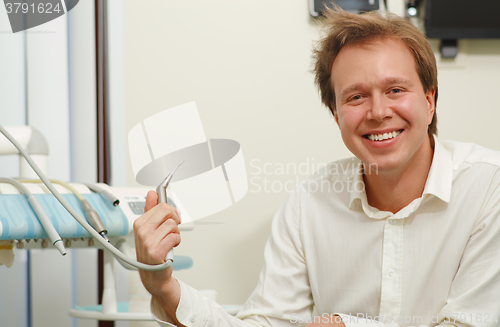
42, 217
79, 218
161, 190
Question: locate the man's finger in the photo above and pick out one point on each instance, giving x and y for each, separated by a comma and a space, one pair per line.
151, 200
157, 235
160, 213
150, 220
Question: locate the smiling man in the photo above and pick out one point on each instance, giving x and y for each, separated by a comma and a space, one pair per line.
383, 113
417, 244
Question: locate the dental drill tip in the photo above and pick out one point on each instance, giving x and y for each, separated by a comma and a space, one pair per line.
177, 167
60, 246
166, 181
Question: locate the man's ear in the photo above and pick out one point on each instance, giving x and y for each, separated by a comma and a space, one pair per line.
431, 102
335, 115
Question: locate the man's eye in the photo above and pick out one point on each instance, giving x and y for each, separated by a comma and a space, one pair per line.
355, 97
396, 91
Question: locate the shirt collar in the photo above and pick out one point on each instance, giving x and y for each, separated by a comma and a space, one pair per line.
438, 181
441, 173
359, 192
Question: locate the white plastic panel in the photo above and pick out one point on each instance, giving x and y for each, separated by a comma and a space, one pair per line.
174, 129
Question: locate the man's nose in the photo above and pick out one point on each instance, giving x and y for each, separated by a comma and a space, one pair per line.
379, 108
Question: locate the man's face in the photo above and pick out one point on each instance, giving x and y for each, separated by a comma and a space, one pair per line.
381, 107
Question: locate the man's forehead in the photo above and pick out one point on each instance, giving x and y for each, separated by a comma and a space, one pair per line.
396, 49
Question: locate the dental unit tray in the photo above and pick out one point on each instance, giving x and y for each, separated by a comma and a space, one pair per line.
19, 221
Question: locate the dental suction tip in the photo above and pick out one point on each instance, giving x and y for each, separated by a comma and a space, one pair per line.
60, 246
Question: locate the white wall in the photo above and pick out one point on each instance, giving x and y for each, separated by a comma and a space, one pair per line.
246, 64
467, 107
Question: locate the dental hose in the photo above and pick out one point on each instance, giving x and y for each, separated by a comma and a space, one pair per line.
92, 215
117, 253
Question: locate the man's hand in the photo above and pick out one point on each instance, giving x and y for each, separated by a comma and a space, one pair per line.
325, 321
156, 232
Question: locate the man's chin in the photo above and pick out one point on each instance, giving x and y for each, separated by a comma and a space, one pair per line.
374, 167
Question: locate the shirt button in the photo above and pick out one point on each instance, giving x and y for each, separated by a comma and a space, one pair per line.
392, 221
193, 318
390, 272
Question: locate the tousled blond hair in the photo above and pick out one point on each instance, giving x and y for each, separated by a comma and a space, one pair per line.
343, 28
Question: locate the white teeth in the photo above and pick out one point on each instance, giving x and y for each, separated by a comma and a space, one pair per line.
385, 136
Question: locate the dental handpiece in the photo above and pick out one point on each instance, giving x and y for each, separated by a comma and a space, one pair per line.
161, 190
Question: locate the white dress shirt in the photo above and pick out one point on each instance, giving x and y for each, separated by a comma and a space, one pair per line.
435, 262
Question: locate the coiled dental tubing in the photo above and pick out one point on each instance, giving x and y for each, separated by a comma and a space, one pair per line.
117, 253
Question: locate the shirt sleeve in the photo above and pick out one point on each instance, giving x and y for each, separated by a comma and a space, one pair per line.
196, 310
282, 293
473, 298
